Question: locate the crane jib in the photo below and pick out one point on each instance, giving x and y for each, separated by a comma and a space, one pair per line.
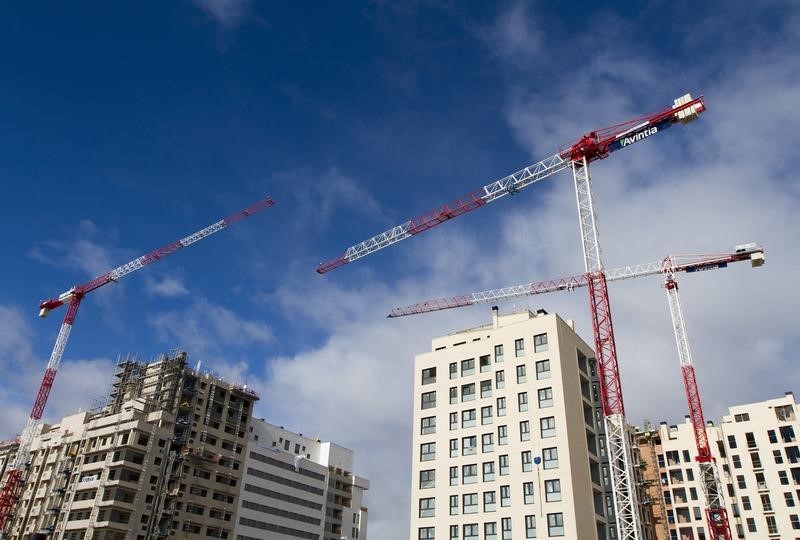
639, 134
701, 268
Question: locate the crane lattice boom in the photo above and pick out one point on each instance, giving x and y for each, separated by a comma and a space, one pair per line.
593, 146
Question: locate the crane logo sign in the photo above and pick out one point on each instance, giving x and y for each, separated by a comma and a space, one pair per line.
625, 141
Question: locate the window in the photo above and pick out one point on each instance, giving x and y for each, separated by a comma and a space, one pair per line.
737, 461
542, 369
519, 348
773, 437
427, 507
453, 447
755, 459
552, 490
789, 499
469, 504
471, 531
489, 502
427, 451
540, 343
429, 375
746, 503
467, 392
525, 430
545, 397
744, 417
751, 524
731, 441
783, 478
427, 478
530, 526
555, 524
429, 400
453, 476
741, 481
500, 379
453, 370
488, 471
550, 458
502, 435
426, 533
766, 502
485, 363
751, 440
505, 495
503, 460
522, 401
486, 415
527, 461
428, 425
772, 526
776, 454
469, 474
490, 530
454, 532
548, 426
468, 367
521, 378
498, 353
468, 418
454, 505
453, 421
795, 519
487, 442
501, 406
505, 525
784, 413
453, 395
469, 445
486, 388
527, 492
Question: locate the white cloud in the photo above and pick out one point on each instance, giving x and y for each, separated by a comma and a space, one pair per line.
169, 286
514, 36
208, 330
227, 13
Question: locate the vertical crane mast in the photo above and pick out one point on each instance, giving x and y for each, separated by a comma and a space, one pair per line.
716, 515
73, 298
623, 482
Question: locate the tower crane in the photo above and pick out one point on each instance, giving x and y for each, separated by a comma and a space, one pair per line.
716, 514
72, 298
577, 156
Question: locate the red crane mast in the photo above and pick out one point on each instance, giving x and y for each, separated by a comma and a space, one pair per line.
73, 298
591, 147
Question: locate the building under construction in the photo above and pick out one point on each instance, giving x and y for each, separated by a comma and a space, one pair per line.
166, 437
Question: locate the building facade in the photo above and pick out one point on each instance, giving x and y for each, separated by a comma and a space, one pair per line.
506, 442
758, 460
298, 487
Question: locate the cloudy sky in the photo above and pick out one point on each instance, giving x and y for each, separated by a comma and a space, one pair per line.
126, 126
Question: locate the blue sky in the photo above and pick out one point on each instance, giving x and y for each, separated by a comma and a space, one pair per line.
126, 126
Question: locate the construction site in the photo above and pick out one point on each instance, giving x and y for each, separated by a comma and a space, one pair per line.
474, 415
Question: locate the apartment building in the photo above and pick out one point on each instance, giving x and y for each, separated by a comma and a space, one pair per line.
161, 459
506, 441
298, 487
758, 459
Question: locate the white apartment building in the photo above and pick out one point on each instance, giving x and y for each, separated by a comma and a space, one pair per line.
297, 487
758, 459
505, 442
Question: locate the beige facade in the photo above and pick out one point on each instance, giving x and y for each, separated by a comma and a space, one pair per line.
758, 458
506, 442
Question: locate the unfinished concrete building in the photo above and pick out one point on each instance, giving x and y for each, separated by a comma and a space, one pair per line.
162, 459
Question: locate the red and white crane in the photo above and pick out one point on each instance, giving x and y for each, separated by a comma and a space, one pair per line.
591, 147
73, 298
716, 514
